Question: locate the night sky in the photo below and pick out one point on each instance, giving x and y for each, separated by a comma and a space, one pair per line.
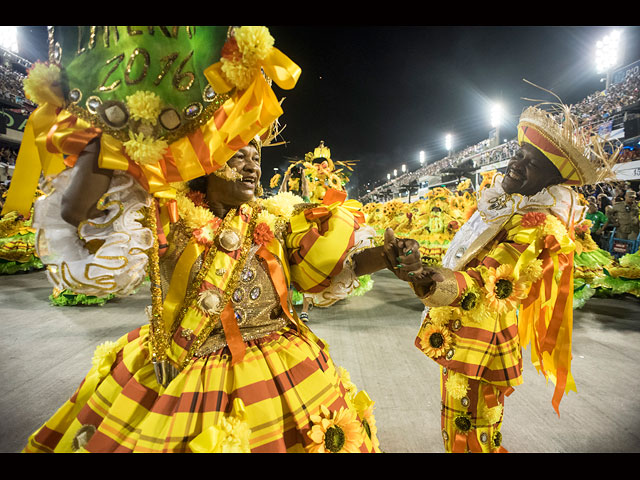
380, 94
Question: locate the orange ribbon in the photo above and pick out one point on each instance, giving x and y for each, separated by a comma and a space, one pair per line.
232, 334
277, 277
332, 196
489, 396
459, 443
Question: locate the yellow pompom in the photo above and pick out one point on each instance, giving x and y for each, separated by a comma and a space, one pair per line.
145, 150
144, 105
441, 316
254, 43
283, 204
493, 414
457, 385
103, 357
42, 85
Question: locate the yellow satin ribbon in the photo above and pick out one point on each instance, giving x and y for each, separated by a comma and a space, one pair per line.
33, 159
179, 283
276, 66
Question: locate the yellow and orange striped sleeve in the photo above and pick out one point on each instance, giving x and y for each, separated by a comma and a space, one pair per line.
318, 244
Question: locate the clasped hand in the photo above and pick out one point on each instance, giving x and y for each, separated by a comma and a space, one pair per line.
402, 257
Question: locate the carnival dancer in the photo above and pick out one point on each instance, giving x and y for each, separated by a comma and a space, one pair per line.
511, 259
222, 366
312, 179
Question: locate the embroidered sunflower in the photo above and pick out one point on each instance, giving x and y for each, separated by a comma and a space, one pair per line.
337, 432
435, 341
503, 291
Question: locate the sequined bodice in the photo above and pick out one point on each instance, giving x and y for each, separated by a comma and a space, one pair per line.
256, 306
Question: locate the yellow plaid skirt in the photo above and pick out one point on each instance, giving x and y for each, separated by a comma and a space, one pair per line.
267, 403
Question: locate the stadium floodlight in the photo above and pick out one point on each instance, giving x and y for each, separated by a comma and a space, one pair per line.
422, 157
608, 52
448, 141
395, 172
404, 168
9, 38
388, 176
496, 115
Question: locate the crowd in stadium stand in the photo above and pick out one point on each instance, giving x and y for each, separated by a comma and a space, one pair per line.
11, 87
593, 111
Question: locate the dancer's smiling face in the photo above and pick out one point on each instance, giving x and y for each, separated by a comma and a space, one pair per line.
529, 171
234, 193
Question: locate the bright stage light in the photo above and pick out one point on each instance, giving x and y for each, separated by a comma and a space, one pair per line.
608, 51
9, 38
496, 115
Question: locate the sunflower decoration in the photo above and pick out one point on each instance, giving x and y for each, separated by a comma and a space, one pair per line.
504, 292
473, 307
334, 181
335, 432
435, 340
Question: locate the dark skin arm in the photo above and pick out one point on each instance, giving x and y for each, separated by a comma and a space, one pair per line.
402, 257
88, 184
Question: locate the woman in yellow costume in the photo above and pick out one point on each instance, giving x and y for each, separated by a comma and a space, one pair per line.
222, 366
312, 179
507, 281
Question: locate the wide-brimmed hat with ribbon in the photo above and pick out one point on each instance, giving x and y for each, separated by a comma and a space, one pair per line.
581, 156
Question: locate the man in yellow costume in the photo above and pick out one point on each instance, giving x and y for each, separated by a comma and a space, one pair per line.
506, 281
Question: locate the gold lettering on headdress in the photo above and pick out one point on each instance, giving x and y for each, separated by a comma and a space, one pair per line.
132, 32
180, 76
145, 66
118, 60
167, 62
